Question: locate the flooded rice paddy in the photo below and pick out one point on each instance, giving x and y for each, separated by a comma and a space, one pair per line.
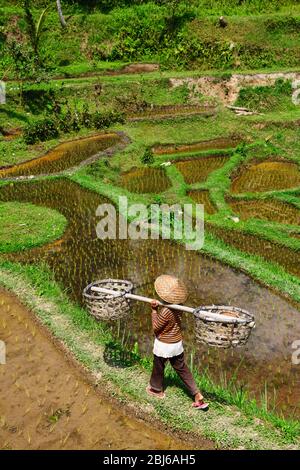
145, 180
267, 209
212, 144
266, 176
47, 410
62, 157
287, 258
79, 257
196, 170
202, 197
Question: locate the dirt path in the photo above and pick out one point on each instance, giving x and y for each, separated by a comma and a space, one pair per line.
226, 89
45, 402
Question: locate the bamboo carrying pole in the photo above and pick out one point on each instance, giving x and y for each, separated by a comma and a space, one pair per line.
208, 316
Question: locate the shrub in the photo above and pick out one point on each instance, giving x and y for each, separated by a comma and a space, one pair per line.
266, 98
104, 120
51, 126
147, 158
86, 118
41, 130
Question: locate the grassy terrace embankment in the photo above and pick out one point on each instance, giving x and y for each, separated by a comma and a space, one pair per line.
259, 34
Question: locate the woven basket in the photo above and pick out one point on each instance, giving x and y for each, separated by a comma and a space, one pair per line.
223, 335
107, 307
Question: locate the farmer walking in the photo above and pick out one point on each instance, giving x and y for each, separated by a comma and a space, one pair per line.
168, 340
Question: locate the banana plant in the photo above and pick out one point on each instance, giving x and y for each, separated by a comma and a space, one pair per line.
34, 29
40, 24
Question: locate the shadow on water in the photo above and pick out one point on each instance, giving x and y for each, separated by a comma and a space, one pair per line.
79, 257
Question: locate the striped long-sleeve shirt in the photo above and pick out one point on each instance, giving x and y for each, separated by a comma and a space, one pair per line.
167, 325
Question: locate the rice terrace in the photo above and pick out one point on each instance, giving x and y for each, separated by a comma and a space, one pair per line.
144, 340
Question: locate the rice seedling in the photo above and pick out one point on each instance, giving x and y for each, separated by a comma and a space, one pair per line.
202, 197
267, 209
2, 421
17, 384
84, 408
212, 144
65, 439
259, 246
266, 176
197, 169
64, 156
145, 180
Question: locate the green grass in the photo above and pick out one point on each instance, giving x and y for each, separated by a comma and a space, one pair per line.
25, 225
268, 98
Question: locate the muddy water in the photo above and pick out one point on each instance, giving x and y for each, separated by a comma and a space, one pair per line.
79, 257
145, 180
196, 170
267, 176
212, 144
267, 209
62, 157
47, 410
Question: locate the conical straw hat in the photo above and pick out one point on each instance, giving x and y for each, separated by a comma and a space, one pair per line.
171, 289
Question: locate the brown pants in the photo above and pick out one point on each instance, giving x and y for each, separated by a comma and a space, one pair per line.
179, 365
